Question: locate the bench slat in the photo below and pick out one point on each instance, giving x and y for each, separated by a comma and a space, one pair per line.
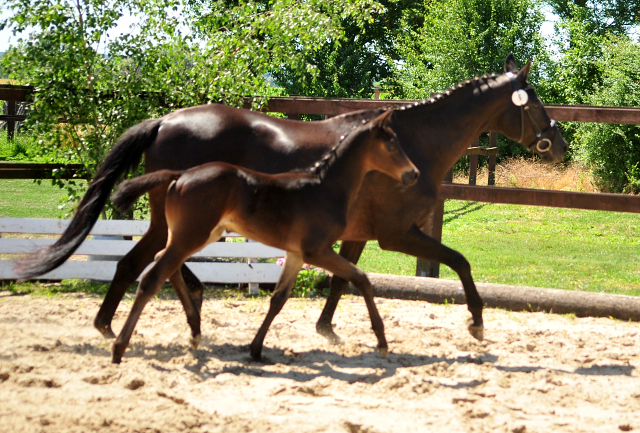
46, 226
225, 273
121, 247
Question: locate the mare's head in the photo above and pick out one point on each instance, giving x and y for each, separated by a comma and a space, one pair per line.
384, 152
525, 119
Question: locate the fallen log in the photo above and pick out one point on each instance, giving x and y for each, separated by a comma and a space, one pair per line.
514, 298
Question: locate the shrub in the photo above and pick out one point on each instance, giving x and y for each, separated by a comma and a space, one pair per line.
613, 150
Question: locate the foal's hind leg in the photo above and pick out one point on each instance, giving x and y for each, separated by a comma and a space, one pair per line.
127, 270
292, 264
351, 251
150, 284
346, 270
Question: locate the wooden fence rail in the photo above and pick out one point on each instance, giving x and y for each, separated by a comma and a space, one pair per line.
295, 106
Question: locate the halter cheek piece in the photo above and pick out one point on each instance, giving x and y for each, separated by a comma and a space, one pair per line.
520, 98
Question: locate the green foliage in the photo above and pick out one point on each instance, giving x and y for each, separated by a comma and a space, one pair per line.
307, 282
612, 150
604, 16
533, 246
90, 87
350, 65
463, 38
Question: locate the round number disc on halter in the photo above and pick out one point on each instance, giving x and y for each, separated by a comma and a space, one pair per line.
520, 98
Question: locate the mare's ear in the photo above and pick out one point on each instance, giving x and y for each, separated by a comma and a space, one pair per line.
510, 64
383, 120
523, 74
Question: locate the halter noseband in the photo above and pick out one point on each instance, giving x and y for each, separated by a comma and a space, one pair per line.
520, 98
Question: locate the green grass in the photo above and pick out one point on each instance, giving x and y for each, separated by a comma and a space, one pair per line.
522, 245
23, 198
535, 246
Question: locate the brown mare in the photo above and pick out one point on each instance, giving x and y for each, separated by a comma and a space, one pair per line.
301, 213
434, 133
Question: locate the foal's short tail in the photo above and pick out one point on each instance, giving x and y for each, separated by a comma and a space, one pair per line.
126, 154
129, 190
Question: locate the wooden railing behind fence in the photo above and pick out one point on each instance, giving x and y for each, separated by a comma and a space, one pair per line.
296, 106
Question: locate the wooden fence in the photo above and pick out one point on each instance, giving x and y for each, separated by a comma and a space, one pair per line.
109, 243
296, 106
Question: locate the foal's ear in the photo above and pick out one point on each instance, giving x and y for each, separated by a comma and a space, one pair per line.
382, 120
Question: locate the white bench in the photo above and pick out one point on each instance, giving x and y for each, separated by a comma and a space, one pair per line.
100, 269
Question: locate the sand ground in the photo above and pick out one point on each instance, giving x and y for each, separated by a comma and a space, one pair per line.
535, 372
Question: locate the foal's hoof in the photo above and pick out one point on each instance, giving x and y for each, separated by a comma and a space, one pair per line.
384, 351
194, 342
476, 331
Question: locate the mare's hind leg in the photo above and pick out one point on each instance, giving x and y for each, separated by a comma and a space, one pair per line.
351, 251
194, 286
346, 270
418, 244
127, 270
190, 308
168, 264
292, 265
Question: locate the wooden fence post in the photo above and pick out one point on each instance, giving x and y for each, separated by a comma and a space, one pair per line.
11, 124
433, 228
493, 141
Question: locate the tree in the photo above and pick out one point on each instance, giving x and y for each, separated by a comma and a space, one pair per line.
463, 38
91, 86
603, 16
460, 39
350, 65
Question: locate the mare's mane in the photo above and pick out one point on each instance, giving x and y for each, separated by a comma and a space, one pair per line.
320, 167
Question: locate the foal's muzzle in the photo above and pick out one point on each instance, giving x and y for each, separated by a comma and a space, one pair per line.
410, 177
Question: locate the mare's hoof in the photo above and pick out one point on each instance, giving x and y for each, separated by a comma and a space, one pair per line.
327, 332
384, 351
194, 342
255, 352
106, 331
476, 331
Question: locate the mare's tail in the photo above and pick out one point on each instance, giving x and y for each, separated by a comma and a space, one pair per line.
129, 190
125, 155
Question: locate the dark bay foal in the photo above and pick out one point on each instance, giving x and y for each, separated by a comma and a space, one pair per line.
302, 213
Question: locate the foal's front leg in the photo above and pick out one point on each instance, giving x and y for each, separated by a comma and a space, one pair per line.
341, 267
292, 264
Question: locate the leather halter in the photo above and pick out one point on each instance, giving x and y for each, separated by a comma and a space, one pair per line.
542, 136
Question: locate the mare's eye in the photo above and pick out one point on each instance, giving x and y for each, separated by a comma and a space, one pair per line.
391, 146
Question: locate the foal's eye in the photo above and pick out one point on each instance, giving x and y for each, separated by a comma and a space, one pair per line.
391, 146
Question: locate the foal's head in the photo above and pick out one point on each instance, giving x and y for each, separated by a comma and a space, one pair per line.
384, 152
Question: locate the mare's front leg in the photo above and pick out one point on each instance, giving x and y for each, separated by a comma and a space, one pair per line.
416, 243
341, 267
350, 250
168, 265
292, 264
